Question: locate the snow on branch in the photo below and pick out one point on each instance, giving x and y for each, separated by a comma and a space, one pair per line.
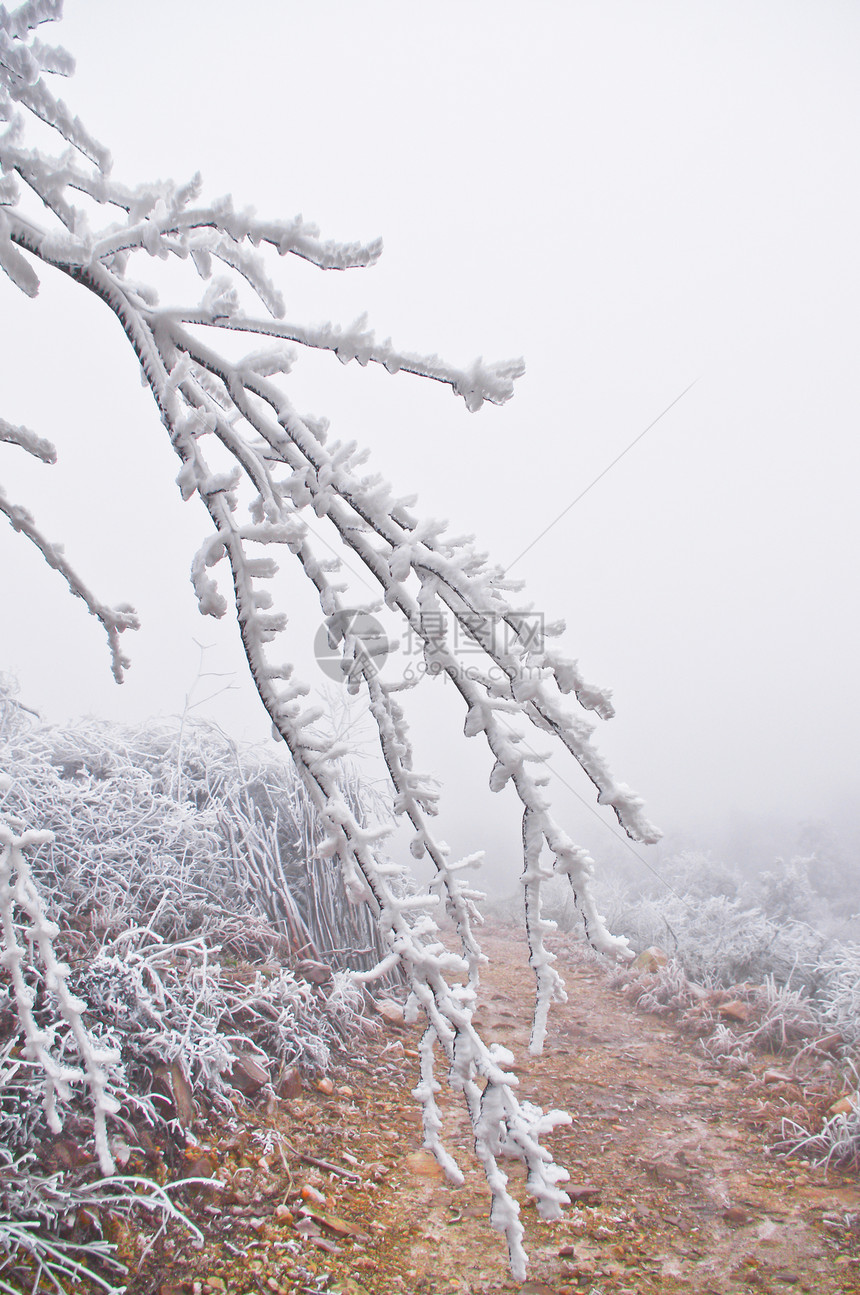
18, 893
303, 492
29, 441
115, 620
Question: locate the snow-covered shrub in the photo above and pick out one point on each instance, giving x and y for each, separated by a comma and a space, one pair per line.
722, 941
175, 828
664, 991
148, 886
698, 875
785, 1018
785, 892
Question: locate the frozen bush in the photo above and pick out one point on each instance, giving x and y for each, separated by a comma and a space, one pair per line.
175, 828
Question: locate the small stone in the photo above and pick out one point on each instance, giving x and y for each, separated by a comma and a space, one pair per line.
283, 1214
830, 1042
309, 1193
390, 1011
734, 1010
325, 1086
844, 1106
775, 1077
120, 1150
583, 1194
248, 1075
734, 1214
200, 1166
289, 1084
70, 1154
650, 959
340, 1227
176, 1088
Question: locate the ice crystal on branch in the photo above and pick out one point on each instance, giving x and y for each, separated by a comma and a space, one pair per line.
432, 582
18, 893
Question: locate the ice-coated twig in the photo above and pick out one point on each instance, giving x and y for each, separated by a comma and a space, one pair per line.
18, 890
29, 441
115, 620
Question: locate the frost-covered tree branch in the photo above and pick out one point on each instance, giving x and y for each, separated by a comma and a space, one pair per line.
283, 470
18, 893
114, 619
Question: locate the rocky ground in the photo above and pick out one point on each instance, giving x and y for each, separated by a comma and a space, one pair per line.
672, 1185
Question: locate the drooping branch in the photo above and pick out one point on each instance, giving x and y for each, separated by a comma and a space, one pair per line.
114, 619
284, 470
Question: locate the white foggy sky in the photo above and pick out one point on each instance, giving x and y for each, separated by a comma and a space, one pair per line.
632, 196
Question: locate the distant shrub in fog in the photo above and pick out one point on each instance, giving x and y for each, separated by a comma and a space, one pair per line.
722, 941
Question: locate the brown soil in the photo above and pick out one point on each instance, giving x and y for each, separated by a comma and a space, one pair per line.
675, 1190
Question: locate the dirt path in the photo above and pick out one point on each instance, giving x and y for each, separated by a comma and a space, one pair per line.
673, 1189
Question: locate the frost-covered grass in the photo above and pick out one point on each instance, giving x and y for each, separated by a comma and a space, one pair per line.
170, 923
43, 1218
175, 829
836, 1143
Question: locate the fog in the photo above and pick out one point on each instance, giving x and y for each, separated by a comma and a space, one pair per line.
634, 198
